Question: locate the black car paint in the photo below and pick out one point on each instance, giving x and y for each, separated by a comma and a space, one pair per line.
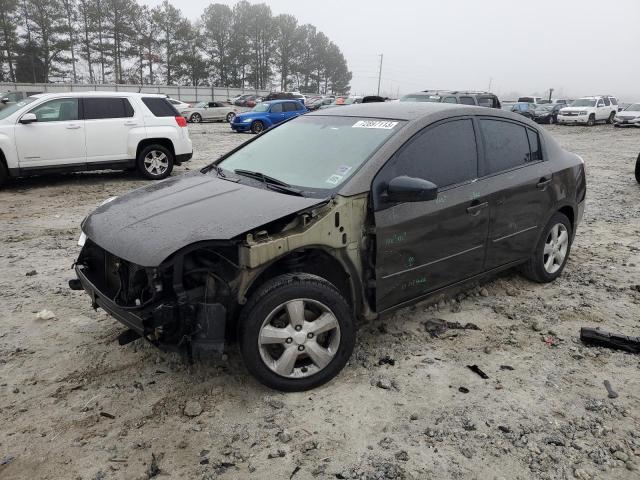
415, 249
147, 225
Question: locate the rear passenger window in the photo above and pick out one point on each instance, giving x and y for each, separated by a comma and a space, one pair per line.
534, 146
276, 108
506, 145
160, 107
614, 101
291, 107
445, 155
606, 101
100, 108
467, 101
449, 100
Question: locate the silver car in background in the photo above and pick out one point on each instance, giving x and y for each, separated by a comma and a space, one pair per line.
629, 117
210, 111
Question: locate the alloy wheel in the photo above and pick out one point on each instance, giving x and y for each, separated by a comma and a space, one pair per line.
555, 248
156, 162
196, 118
299, 338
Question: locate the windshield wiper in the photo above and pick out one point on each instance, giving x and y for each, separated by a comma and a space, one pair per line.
270, 182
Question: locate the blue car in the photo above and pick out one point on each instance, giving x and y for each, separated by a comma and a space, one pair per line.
266, 115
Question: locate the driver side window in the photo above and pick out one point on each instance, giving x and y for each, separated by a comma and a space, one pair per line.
444, 154
58, 110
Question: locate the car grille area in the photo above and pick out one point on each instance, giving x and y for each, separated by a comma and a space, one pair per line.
125, 283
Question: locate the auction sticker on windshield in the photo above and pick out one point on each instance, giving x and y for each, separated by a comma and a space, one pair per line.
385, 125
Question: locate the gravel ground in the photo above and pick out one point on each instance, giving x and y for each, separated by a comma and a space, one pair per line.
73, 404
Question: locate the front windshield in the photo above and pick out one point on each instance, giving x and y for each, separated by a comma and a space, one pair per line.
4, 113
313, 152
584, 102
420, 98
634, 107
544, 108
201, 104
261, 107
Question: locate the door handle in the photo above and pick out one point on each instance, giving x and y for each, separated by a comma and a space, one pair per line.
73, 126
542, 184
475, 208
131, 124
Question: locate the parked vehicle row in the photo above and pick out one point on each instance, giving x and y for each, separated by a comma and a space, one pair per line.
589, 111
483, 99
72, 131
209, 111
388, 204
629, 117
266, 115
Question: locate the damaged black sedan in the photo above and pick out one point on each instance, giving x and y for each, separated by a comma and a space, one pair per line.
339, 214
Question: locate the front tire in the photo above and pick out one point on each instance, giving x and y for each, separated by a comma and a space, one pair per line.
552, 251
195, 118
296, 332
155, 162
610, 119
637, 170
591, 121
230, 117
257, 127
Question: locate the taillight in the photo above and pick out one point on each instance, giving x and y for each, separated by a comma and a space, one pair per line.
181, 121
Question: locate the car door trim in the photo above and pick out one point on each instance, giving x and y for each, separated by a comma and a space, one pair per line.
496, 240
433, 262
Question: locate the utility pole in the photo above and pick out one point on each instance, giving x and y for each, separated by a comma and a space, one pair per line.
379, 74
550, 93
490, 81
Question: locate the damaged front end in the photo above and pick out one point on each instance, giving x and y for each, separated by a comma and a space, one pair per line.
182, 304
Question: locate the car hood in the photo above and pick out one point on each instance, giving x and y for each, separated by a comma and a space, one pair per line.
147, 225
629, 113
575, 109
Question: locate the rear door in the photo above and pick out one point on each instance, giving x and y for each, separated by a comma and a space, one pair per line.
424, 246
108, 123
56, 139
518, 181
292, 109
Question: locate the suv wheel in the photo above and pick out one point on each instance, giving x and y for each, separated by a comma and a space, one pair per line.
257, 127
637, 170
296, 332
195, 118
230, 117
610, 119
592, 120
551, 253
155, 162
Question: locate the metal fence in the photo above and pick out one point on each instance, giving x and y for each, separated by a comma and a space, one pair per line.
183, 93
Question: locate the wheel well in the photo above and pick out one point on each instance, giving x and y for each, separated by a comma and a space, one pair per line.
568, 211
165, 142
313, 261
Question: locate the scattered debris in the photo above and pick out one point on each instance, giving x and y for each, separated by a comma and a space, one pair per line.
437, 326
192, 408
504, 429
7, 460
550, 341
45, 315
612, 393
279, 454
308, 446
506, 367
384, 383
275, 403
476, 369
107, 415
386, 360
463, 390
154, 468
295, 470
284, 436
31, 273
592, 336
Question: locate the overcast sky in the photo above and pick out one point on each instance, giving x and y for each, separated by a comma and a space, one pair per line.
578, 47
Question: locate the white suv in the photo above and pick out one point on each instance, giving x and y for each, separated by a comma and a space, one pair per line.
60, 132
589, 110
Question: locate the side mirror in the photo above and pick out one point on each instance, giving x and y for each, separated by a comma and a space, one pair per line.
28, 118
410, 189
4, 100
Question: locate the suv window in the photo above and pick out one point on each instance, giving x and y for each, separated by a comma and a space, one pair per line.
600, 103
291, 107
485, 101
614, 100
606, 101
58, 110
276, 108
449, 100
444, 154
101, 108
506, 145
467, 101
160, 107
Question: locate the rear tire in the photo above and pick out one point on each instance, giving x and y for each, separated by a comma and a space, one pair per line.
155, 162
637, 170
4, 174
592, 120
257, 127
552, 251
291, 355
230, 117
610, 119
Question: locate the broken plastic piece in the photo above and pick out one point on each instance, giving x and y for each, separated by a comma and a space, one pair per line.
476, 369
592, 336
612, 393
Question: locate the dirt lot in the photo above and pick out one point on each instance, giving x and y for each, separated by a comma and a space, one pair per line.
73, 404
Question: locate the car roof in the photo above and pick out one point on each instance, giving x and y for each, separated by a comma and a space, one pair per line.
97, 94
280, 100
393, 110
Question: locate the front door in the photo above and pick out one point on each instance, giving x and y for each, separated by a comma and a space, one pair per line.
56, 139
276, 114
424, 246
